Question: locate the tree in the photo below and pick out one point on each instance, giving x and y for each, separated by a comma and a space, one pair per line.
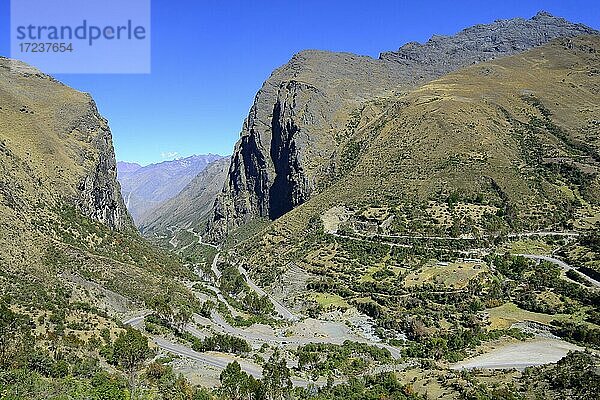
108, 387
237, 384
14, 334
276, 377
130, 351
181, 318
437, 347
170, 385
207, 307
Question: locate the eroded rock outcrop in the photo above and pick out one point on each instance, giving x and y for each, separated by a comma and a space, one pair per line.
58, 133
99, 192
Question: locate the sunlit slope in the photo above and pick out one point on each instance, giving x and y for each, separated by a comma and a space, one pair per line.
507, 145
308, 110
66, 238
514, 132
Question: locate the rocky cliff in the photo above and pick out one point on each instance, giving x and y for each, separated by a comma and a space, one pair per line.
307, 110
59, 134
99, 192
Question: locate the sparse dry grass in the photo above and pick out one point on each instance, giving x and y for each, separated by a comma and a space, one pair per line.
455, 275
507, 314
527, 247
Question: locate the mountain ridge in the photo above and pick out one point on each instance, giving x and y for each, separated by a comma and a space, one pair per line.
191, 207
316, 98
147, 187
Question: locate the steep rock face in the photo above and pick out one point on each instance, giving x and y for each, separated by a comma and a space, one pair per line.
301, 115
443, 54
290, 186
58, 133
99, 191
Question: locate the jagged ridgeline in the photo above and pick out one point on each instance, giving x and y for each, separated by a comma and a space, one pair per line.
503, 146
70, 257
316, 117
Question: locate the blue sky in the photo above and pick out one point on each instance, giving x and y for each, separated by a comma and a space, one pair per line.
210, 57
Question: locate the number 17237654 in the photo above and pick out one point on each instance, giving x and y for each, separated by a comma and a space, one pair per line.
48, 47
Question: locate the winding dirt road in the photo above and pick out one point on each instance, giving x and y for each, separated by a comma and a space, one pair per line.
561, 264
516, 355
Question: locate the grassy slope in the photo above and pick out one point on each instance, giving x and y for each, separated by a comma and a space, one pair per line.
70, 274
481, 131
490, 149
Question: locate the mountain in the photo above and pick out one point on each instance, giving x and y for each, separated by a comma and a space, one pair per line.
309, 109
449, 191
193, 205
53, 137
72, 264
510, 145
61, 211
145, 188
125, 168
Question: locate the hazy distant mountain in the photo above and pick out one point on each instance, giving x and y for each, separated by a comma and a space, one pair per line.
127, 167
192, 206
144, 188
